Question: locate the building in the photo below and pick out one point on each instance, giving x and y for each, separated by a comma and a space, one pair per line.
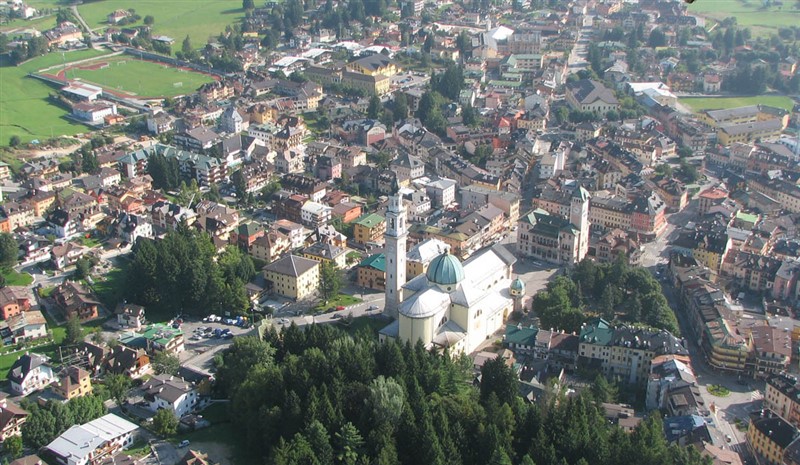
768, 437
13, 301
395, 239
129, 315
327, 253
75, 300
293, 277
12, 417
26, 326
171, 393
782, 396
624, 351
93, 442
371, 272
369, 228
30, 373
94, 112
421, 255
455, 306
73, 382
590, 95
154, 339
315, 214
547, 237
374, 65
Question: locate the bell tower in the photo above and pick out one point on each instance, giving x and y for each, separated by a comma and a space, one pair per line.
395, 239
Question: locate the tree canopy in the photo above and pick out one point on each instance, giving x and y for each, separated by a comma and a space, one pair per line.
616, 291
182, 273
318, 396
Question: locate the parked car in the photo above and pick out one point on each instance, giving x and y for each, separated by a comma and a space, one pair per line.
183, 443
340, 308
372, 307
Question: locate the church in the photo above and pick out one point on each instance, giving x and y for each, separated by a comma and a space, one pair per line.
454, 306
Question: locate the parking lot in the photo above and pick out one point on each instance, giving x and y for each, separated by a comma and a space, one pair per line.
200, 350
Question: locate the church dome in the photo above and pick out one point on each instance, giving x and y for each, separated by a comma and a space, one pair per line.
518, 286
445, 270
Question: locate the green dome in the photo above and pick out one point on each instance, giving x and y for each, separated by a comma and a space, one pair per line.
445, 269
518, 285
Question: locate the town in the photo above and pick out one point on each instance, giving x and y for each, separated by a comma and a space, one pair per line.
352, 232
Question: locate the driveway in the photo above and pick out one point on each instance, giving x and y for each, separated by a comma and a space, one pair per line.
166, 452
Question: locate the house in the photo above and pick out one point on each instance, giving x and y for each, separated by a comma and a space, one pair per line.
63, 256
326, 253
314, 214
369, 228
171, 393
13, 301
117, 15
293, 277
122, 360
75, 300
93, 442
12, 417
129, 315
270, 246
25, 326
246, 234
233, 120
30, 373
73, 382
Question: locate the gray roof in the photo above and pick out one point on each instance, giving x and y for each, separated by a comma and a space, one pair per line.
291, 265
81, 440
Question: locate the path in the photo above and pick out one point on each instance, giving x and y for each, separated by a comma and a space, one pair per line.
78, 16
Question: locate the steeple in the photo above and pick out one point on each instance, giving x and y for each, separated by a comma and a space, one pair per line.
395, 238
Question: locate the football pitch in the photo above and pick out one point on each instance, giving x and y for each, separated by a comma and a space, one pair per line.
722, 103
125, 74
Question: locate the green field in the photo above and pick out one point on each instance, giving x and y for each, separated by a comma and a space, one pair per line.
750, 13
24, 110
199, 19
719, 103
142, 78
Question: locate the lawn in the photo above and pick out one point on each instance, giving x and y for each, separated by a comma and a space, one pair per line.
719, 103
24, 109
371, 323
12, 278
749, 13
199, 19
718, 391
41, 24
111, 290
142, 78
342, 300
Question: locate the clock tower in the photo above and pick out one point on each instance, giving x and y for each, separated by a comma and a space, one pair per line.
395, 239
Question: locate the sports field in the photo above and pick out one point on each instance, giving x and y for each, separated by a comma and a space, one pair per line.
199, 19
750, 13
720, 103
128, 75
24, 109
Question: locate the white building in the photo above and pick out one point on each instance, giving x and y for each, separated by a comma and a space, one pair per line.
168, 392
30, 373
314, 214
94, 112
93, 441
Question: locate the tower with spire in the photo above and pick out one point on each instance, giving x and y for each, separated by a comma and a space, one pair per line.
395, 239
